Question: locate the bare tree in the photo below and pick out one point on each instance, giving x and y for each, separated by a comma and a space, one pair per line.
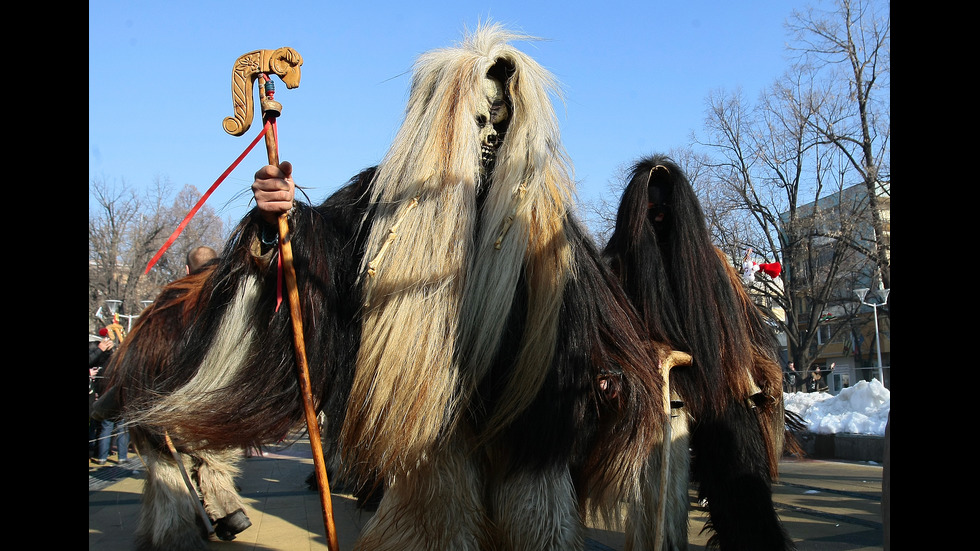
126, 229
802, 175
788, 177
851, 44
773, 183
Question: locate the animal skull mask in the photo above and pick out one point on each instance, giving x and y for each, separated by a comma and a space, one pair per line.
492, 119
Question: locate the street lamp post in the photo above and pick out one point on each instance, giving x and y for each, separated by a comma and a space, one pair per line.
883, 295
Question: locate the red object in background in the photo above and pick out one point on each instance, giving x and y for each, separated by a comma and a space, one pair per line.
772, 270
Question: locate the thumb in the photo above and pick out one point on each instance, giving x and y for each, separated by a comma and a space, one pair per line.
287, 169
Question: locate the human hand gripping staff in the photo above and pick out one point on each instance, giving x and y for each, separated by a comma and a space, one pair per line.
274, 204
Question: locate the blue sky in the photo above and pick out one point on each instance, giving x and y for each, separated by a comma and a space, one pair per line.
635, 76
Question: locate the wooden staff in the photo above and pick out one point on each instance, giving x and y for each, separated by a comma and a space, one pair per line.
285, 62
187, 482
674, 359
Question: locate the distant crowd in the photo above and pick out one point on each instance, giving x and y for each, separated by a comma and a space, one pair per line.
814, 380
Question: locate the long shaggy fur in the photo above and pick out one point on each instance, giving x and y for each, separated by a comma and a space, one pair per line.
643, 520
439, 505
507, 281
766, 374
690, 297
255, 398
441, 293
168, 517
548, 498
461, 329
140, 375
217, 370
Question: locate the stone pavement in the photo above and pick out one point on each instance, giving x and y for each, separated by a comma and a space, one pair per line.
826, 505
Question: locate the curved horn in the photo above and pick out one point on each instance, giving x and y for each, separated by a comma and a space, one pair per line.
676, 358
284, 62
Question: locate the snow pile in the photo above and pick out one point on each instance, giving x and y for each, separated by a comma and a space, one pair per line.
860, 409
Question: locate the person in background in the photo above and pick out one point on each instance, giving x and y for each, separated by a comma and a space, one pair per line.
198, 257
824, 381
815, 381
98, 353
108, 429
793, 380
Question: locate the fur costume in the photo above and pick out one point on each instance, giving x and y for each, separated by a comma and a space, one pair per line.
691, 297
479, 357
169, 518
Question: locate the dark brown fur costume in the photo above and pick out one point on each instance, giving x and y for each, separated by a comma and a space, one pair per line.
691, 297
482, 359
138, 374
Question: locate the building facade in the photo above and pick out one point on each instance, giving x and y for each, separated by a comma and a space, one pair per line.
853, 336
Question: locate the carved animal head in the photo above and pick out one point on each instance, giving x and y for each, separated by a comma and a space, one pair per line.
286, 62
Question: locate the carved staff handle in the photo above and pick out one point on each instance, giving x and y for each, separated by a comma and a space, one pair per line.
675, 358
284, 62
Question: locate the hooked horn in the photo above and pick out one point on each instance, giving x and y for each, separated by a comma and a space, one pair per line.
284, 62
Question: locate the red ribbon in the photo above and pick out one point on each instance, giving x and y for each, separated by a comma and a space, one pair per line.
279, 278
279, 273
200, 202
270, 123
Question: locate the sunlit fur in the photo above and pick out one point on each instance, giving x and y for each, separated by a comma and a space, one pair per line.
438, 505
690, 297
530, 325
460, 375
142, 360
765, 371
257, 400
217, 370
668, 482
192, 367
214, 474
441, 285
168, 515
141, 374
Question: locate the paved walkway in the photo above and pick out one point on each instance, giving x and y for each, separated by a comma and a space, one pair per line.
825, 506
